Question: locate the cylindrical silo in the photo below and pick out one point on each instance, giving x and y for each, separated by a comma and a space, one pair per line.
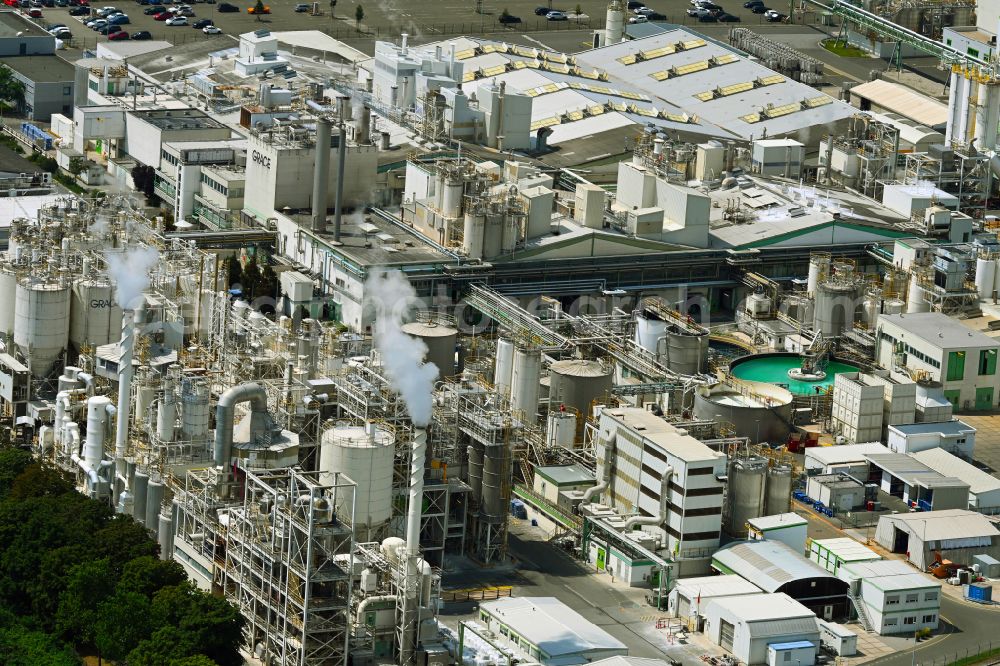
493, 233
986, 276
614, 23
365, 455
95, 317
8, 296
524, 382
745, 488
195, 410
504, 366
166, 413
473, 233
872, 307
686, 349
451, 199
649, 329
915, 297
165, 537
835, 303
41, 322
578, 383
140, 488
996, 282
819, 267
475, 452
561, 429
496, 477
154, 498
893, 306
779, 490
440, 340
512, 224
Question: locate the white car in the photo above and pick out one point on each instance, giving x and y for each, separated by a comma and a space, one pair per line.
638, 19
177, 20
212, 30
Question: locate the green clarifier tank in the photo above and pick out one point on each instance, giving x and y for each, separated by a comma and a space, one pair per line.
773, 369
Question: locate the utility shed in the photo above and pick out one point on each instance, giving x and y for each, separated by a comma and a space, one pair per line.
849, 458
984, 488
918, 485
956, 534
774, 567
832, 553
690, 596
788, 528
747, 626
548, 631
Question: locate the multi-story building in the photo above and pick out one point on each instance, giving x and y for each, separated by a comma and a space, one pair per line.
941, 348
894, 598
180, 178
864, 404
647, 455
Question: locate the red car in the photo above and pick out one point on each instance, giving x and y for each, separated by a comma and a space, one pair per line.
11, 3
115, 36
162, 16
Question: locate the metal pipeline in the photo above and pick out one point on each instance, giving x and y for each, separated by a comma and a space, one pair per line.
341, 166
252, 393
664, 505
363, 606
605, 472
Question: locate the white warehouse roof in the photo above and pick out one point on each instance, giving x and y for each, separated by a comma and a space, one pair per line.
939, 330
769, 614
713, 82
948, 464
888, 575
551, 625
777, 521
903, 100
950, 524
707, 587
822, 456
769, 564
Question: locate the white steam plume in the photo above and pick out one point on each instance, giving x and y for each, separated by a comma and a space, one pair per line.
392, 297
130, 272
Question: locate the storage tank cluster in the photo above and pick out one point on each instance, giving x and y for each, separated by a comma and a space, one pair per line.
987, 276
755, 487
676, 340
836, 298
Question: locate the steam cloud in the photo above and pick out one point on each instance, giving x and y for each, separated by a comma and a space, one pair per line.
130, 272
392, 296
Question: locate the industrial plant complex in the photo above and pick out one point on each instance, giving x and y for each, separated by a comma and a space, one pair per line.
604, 338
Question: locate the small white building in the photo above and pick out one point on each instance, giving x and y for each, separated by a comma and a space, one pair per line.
546, 630
847, 458
984, 488
838, 638
691, 596
778, 157
894, 598
953, 436
831, 554
838, 491
747, 626
955, 534
788, 528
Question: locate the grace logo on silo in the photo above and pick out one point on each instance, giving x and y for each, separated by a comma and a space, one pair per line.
261, 159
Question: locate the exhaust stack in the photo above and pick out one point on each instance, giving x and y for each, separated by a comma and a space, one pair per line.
321, 175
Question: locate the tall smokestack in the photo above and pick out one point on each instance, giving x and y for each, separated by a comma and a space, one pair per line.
341, 164
321, 175
131, 320
411, 598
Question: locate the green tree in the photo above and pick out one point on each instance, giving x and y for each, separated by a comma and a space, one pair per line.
165, 646
578, 11
89, 585
122, 622
147, 575
77, 165
27, 647
11, 89
234, 272
258, 9
359, 16
194, 660
214, 626
13, 462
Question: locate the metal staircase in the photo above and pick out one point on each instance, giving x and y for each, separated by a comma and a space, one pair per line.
859, 608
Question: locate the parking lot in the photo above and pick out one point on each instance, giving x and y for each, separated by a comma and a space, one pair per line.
385, 19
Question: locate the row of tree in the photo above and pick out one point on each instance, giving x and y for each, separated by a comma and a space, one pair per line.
76, 579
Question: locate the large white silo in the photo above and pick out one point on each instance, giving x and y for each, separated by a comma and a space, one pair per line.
365, 455
41, 322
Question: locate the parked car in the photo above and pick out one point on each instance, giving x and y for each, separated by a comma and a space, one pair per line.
752, 3
98, 25
203, 23
634, 4
115, 36
644, 11
62, 3
151, 11
775, 17
225, 7
758, 9
728, 18
79, 11
212, 30
35, 13
110, 29
655, 16
177, 20
707, 18
119, 19
142, 35
556, 16
509, 19
542, 11
162, 16
63, 34
302, 7
638, 19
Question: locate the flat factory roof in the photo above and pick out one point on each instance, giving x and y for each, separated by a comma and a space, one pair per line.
551, 625
663, 434
706, 587
41, 68
769, 564
12, 23
763, 607
777, 521
949, 464
563, 475
945, 525
903, 100
889, 575
945, 428
26, 206
848, 550
175, 119
841, 455
939, 330
912, 472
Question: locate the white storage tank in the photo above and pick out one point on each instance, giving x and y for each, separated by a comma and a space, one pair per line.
524, 382
893, 306
561, 429
648, 332
745, 498
195, 410
41, 322
95, 317
473, 234
440, 339
365, 455
504, 366
915, 296
8, 295
986, 276
493, 234
577, 383
686, 349
819, 268
779, 490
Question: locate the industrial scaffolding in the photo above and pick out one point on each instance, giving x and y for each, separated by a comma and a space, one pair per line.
289, 561
968, 177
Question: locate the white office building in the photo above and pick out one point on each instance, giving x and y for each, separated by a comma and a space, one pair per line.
894, 598
788, 528
953, 436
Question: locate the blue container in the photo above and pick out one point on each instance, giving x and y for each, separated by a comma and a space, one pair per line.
979, 592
